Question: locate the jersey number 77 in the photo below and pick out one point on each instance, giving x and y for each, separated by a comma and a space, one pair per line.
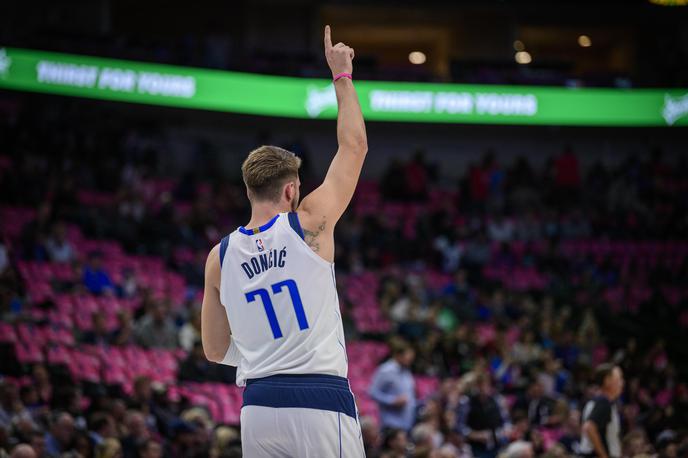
277, 288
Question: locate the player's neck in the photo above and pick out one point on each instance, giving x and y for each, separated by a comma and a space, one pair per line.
262, 212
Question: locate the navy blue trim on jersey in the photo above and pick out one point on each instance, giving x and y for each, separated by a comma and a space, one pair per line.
295, 224
317, 391
260, 229
223, 249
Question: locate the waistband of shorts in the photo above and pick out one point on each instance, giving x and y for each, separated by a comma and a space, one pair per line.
308, 391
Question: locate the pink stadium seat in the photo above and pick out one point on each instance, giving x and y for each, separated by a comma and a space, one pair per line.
28, 353
7, 333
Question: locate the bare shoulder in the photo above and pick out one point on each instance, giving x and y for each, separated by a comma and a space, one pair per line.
212, 266
214, 255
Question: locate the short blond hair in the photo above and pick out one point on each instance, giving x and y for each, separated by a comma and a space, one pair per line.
267, 169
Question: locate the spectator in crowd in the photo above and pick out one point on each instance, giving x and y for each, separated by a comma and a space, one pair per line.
370, 434
226, 443
393, 388
83, 444
149, 448
196, 367
61, 437
482, 418
109, 448
95, 278
34, 232
515, 276
41, 380
190, 333
518, 449
23, 451
102, 427
537, 404
99, 333
395, 444
601, 423
129, 287
142, 397
137, 434
155, 329
12, 409
124, 333
38, 444
59, 248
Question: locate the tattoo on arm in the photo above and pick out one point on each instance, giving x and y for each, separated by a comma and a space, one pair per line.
311, 237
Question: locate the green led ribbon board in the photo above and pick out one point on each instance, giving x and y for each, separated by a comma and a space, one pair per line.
307, 98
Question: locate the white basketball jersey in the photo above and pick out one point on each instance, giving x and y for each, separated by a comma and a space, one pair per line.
281, 302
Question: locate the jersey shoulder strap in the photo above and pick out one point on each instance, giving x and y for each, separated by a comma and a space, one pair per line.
224, 244
295, 224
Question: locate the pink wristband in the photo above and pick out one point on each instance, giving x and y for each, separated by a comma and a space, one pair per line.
342, 75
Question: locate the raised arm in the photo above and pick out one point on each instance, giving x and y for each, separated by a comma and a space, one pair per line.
321, 209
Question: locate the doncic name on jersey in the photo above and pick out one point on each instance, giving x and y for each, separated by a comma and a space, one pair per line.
264, 261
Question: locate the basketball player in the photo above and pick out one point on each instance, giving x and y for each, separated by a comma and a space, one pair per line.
270, 303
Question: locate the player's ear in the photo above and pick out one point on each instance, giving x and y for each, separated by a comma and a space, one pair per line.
290, 191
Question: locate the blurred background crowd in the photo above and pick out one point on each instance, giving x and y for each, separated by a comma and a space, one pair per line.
508, 285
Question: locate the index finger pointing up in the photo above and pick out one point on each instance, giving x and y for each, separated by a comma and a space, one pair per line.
328, 37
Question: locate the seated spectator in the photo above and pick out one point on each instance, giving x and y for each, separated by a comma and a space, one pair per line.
101, 427
32, 402
137, 433
34, 233
395, 444
226, 442
109, 448
370, 433
142, 397
11, 407
41, 380
24, 428
191, 331
83, 445
38, 444
518, 449
59, 248
129, 286
99, 334
95, 278
23, 451
62, 433
124, 334
155, 329
149, 448
422, 436
500, 229
196, 367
